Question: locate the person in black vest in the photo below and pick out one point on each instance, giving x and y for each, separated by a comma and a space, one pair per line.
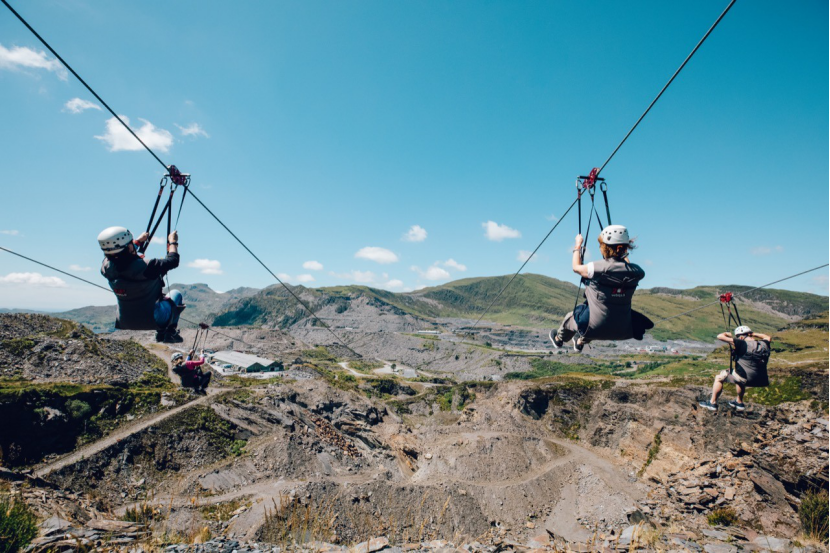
138, 284
609, 287
750, 351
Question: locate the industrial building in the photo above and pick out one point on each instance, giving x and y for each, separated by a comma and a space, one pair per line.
234, 362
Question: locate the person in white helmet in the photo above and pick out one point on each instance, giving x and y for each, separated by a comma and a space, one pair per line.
138, 284
190, 371
609, 288
750, 351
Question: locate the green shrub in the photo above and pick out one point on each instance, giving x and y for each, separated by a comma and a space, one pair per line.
77, 409
813, 514
17, 346
238, 447
724, 516
18, 525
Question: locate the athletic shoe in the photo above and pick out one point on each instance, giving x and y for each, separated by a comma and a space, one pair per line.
708, 405
577, 345
737, 406
557, 343
159, 336
173, 337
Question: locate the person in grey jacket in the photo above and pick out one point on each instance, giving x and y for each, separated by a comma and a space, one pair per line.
138, 284
750, 351
609, 288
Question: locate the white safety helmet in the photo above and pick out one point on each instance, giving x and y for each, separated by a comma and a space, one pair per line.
175, 357
114, 239
743, 329
615, 234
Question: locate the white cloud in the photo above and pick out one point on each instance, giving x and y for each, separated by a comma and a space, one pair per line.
305, 278
193, 129
524, 255
497, 232
393, 284
77, 105
552, 218
765, 250
20, 57
363, 277
32, 279
820, 284
378, 255
453, 264
416, 233
313, 266
75, 267
285, 277
119, 139
158, 240
432, 273
206, 266
10, 232
420, 287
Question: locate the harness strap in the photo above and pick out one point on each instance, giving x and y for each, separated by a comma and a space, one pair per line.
604, 187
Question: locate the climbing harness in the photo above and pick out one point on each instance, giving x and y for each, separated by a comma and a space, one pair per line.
727, 303
174, 179
589, 184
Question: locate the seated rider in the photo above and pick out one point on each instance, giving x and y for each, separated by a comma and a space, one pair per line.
751, 352
609, 288
191, 372
138, 284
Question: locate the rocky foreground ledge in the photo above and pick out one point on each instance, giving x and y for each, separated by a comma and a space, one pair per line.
111, 536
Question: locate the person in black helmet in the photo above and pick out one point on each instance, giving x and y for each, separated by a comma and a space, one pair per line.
138, 284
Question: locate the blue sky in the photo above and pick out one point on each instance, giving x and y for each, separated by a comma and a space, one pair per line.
329, 132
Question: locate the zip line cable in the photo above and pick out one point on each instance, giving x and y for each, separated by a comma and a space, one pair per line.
110, 291
742, 293
157, 158
679, 69
525, 263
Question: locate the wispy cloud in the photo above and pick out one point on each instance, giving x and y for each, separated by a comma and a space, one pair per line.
497, 232
766, 250
119, 139
19, 58
206, 266
32, 280
302, 279
453, 264
313, 266
393, 284
378, 255
432, 273
820, 284
362, 277
416, 233
75, 267
10, 232
77, 105
158, 240
193, 129
552, 218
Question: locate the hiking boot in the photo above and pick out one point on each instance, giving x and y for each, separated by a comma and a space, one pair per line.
555, 340
578, 344
173, 337
159, 336
708, 405
737, 406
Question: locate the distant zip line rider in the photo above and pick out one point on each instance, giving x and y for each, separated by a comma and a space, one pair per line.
609, 288
750, 351
190, 371
138, 284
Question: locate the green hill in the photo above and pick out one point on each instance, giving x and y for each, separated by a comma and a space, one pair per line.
531, 301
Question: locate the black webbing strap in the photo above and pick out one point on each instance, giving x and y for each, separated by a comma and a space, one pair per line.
604, 188
584, 246
162, 184
168, 208
726, 324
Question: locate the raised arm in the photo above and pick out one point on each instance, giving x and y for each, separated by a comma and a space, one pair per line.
759, 336
726, 337
576, 262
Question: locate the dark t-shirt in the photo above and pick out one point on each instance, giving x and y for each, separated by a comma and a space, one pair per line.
751, 357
